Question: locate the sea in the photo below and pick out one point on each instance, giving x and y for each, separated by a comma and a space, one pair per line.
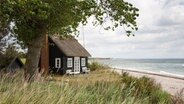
174, 67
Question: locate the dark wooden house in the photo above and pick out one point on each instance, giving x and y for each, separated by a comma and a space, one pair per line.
64, 56
15, 64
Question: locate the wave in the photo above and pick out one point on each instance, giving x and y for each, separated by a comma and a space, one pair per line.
172, 74
137, 70
159, 72
153, 72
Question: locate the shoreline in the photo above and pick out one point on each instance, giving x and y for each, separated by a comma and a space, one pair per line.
171, 84
152, 73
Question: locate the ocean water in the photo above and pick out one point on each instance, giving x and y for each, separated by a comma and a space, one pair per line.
162, 66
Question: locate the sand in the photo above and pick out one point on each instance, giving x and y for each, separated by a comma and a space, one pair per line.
171, 84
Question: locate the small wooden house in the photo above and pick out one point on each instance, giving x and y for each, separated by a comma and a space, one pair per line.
15, 64
64, 56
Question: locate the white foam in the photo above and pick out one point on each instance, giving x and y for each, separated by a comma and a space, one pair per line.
138, 70
168, 73
152, 72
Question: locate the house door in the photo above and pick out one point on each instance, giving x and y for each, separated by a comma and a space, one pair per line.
77, 64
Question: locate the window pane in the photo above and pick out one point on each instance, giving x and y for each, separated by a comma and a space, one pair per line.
83, 62
69, 62
57, 62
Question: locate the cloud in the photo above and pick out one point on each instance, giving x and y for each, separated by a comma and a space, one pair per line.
160, 33
171, 3
172, 13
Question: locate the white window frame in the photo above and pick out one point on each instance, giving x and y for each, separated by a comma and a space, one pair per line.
57, 62
69, 62
83, 61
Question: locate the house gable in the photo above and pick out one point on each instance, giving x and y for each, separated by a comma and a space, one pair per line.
54, 54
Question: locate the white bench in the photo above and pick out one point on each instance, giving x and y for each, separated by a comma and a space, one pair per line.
85, 70
70, 72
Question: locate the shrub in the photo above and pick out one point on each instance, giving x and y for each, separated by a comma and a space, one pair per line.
96, 66
7, 57
145, 87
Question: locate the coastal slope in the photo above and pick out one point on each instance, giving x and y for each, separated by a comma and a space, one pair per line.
171, 84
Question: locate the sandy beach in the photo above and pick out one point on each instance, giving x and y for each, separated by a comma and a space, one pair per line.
171, 84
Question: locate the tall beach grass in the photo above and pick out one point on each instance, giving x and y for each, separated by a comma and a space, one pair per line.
99, 87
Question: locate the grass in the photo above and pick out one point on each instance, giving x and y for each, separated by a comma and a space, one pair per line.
96, 66
99, 87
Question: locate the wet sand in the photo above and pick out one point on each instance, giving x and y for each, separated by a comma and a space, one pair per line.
171, 84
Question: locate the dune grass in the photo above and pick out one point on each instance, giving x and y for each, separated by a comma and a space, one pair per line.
99, 87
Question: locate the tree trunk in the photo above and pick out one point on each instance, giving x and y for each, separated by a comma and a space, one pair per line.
44, 57
32, 60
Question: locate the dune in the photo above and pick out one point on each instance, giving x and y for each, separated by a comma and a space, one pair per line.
169, 83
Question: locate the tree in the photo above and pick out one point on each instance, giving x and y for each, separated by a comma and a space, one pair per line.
3, 32
35, 18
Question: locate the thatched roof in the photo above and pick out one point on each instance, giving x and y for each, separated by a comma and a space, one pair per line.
70, 47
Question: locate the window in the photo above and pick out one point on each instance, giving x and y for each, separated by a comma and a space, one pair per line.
57, 62
83, 62
69, 62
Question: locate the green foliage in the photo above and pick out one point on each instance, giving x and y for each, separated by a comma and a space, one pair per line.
37, 17
96, 66
145, 87
7, 56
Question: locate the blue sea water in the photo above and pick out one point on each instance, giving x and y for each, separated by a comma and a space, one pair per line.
162, 66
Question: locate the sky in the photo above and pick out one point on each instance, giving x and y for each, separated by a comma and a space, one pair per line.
160, 34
